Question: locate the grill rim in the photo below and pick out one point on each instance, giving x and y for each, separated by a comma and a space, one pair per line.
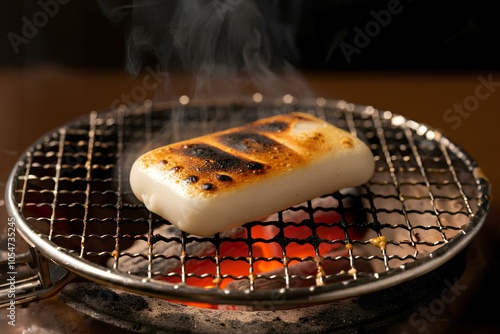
329, 292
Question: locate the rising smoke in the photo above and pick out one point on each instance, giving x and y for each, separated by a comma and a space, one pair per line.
226, 45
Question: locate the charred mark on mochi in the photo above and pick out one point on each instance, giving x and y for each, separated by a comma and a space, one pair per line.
216, 160
191, 179
224, 178
207, 186
248, 142
209, 153
273, 126
254, 166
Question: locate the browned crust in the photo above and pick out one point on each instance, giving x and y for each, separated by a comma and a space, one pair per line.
231, 158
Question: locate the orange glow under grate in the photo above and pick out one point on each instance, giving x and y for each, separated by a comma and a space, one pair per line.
268, 255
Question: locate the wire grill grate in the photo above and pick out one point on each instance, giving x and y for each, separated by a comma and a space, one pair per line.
424, 204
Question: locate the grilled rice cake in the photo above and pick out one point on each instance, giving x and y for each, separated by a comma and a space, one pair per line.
224, 179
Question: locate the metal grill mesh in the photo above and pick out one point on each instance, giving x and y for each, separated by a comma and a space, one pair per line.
425, 200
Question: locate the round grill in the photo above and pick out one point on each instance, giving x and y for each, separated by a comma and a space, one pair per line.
426, 201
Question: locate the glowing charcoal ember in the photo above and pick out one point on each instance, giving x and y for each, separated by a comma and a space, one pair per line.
167, 249
320, 219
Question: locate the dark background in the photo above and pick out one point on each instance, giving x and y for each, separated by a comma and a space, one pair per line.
426, 35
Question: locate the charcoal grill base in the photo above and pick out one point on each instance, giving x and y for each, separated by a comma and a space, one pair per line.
373, 313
